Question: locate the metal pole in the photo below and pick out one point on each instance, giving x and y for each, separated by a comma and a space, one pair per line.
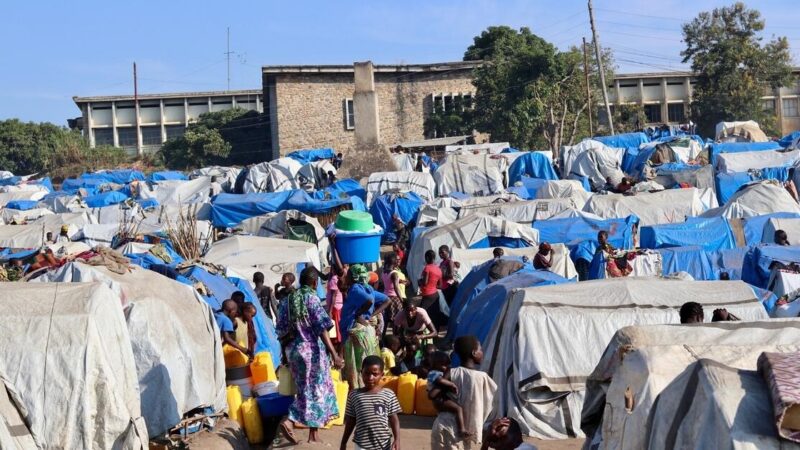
136, 110
600, 66
228, 56
588, 87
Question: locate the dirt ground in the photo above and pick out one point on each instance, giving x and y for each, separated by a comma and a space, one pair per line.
415, 434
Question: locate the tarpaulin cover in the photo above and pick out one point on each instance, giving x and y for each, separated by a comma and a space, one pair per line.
594, 161
756, 199
531, 164
405, 206
468, 259
669, 206
755, 269
744, 161
709, 233
176, 345
729, 183
472, 174
347, 187
789, 138
67, 361
546, 189
6, 197
106, 199
790, 226
522, 212
311, 155
227, 210
122, 176
167, 175
624, 140
533, 345
22, 205
22, 236
738, 147
221, 289
754, 226
693, 260
92, 186
573, 230
420, 183
178, 192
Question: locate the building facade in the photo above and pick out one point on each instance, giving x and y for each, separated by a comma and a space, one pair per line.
116, 120
313, 106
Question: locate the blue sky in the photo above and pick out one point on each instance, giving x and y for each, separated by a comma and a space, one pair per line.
53, 50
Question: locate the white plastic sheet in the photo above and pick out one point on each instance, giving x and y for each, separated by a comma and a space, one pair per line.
669, 206
420, 183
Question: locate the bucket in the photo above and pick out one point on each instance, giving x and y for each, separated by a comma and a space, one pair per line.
240, 376
354, 221
266, 388
358, 248
274, 405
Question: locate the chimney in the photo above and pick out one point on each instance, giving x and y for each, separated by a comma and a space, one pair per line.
365, 106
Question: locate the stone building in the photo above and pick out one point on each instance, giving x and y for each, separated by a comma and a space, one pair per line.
313, 106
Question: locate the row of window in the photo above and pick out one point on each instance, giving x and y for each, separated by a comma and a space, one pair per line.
676, 112
790, 106
440, 102
127, 135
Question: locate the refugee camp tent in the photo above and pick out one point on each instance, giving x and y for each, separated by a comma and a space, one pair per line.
421, 184
592, 160
719, 148
669, 206
531, 164
492, 148
226, 176
640, 361
472, 175
228, 210
573, 230
311, 155
62, 203
166, 175
728, 184
470, 258
6, 197
176, 344
547, 189
22, 236
288, 224
315, 175
790, 225
404, 206
709, 233
758, 270
745, 131
752, 228
405, 162
532, 347
178, 192
20, 217
268, 177
745, 161
74, 222
624, 140
473, 231
523, 212
755, 199
67, 362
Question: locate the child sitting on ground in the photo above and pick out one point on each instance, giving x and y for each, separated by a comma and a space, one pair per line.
372, 411
444, 392
392, 355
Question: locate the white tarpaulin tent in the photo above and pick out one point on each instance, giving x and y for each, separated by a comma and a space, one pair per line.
23, 216
492, 148
22, 236
570, 189
472, 175
74, 221
178, 192
6, 197
669, 206
756, 199
594, 160
561, 262
176, 344
790, 225
245, 255
314, 175
226, 176
420, 183
63, 203
742, 131
640, 361
66, 355
744, 161
463, 233
523, 212
405, 162
547, 339
276, 225
274, 176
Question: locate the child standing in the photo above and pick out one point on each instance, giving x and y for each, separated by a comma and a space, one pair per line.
372, 412
285, 287
444, 392
335, 302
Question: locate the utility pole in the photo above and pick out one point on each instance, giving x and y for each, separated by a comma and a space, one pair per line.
136, 110
228, 57
600, 66
588, 86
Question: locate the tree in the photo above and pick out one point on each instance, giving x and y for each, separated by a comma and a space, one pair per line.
199, 146
732, 67
451, 121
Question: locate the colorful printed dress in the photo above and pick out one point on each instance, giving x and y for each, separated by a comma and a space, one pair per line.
315, 404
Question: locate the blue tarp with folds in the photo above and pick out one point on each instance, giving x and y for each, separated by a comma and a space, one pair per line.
789, 138
738, 147
307, 156
105, 199
531, 164
624, 140
729, 183
754, 226
167, 175
92, 186
22, 205
406, 206
347, 187
580, 233
221, 289
692, 259
148, 259
122, 176
755, 269
228, 210
708, 233
631, 157
13, 181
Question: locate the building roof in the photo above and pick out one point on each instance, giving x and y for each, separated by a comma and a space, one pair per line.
437, 142
109, 98
378, 68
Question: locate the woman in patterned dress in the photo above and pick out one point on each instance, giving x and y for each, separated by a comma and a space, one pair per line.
303, 331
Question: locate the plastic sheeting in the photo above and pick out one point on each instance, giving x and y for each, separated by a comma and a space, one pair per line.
624, 140
226, 176
472, 175
738, 147
405, 206
105, 199
708, 233
6, 197
531, 164
347, 187
473, 257
756, 267
178, 192
744, 161
421, 184
119, 176
525, 212
312, 155
227, 210
727, 184
669, 206
267, 177
753, 227
573, 230
533, 343
68, 363
22, 236
548, 189
756, 199
167, 175
594, 161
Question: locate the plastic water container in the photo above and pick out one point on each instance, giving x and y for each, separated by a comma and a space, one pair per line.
354, 221
423, 405
240, 376
233, 357
266, 388
235, 403
274, 405
390, 382
336, 375
342, 389
286, 385
253, 427
359, 248
262, 368
406, 387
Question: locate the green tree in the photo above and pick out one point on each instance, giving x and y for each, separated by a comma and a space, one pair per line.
453, 121
199, 146
733, 67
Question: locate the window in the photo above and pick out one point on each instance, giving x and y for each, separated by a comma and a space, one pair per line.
790, 107
175, 131
676, 112
151, 135
653, 113
452, 102
103, 136
768, 105
127, 136
349, 114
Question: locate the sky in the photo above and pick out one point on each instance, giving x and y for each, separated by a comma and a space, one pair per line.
54, 50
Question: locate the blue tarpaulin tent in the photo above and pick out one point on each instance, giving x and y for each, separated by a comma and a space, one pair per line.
307, 156
757, 261
106, 199
121, 176
22, 205
167, 175
624, 140
789, 138
347, 187
406, 206
729, 183
91, 186
754, 226
693, 260
573, 230
531, 164
738, 147
708, 233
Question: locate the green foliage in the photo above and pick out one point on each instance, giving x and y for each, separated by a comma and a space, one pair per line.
733, 68
229, 137
629, 118
456, 121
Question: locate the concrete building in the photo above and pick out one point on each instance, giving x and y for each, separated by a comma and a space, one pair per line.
116, 120
665, 98
315, 106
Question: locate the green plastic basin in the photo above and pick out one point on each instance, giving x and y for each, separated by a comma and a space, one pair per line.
354, 221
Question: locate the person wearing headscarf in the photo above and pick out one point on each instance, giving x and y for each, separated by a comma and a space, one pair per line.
302, 327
